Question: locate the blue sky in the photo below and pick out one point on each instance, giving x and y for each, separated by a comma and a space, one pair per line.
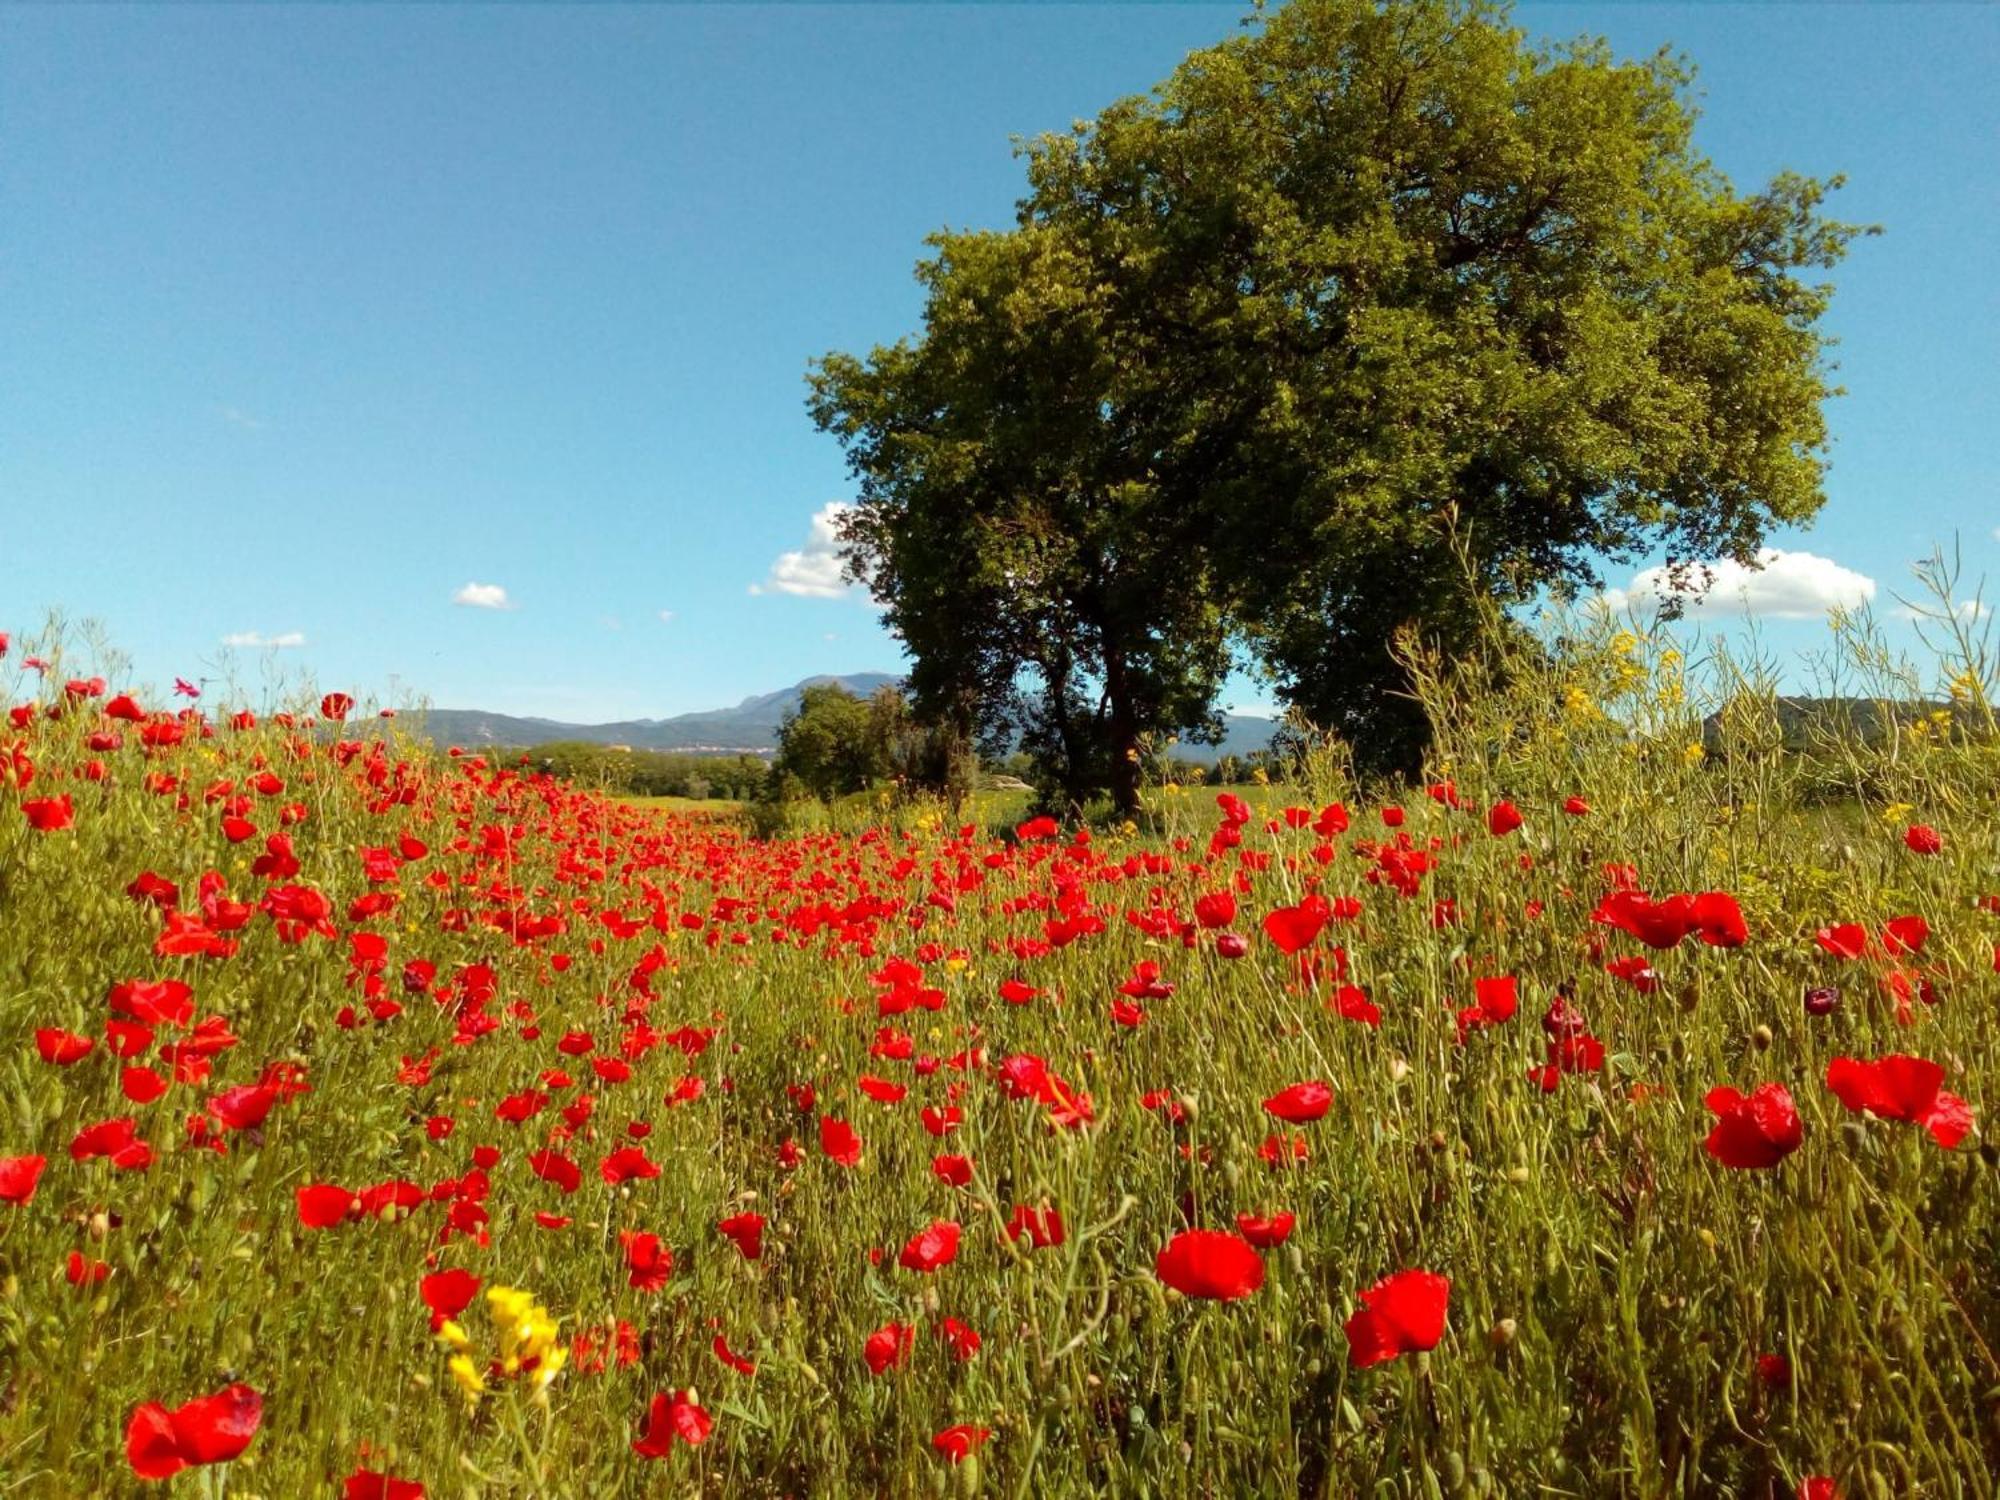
312, 317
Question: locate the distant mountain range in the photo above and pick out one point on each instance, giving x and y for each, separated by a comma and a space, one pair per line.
750, 727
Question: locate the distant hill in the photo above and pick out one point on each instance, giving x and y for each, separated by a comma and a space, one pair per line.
751, 726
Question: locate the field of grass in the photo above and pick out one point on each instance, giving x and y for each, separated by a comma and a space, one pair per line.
1594, 1117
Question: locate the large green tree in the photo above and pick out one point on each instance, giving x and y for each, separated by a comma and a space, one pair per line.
1366, 312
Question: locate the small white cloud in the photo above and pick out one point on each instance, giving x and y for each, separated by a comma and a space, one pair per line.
813, 571
666, 617
1784, 586
236, 417
257, 640
483, 596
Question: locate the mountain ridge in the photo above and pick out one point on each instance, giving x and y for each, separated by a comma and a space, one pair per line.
750, 727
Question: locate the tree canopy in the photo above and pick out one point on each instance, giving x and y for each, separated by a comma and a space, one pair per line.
1368, 311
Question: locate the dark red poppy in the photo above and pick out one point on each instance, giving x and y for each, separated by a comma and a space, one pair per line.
1503, 818
1401, 1314
1210, 1263
1756, 1130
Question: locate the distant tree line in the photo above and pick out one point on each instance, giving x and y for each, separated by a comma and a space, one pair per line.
653, 773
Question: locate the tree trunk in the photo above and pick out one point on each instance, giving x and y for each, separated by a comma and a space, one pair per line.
1124, 735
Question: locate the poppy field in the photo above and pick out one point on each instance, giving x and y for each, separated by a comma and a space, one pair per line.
1600, 1114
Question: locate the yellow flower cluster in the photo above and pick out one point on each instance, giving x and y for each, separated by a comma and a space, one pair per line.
528, 1345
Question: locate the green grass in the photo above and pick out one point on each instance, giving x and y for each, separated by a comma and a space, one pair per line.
1612, 1285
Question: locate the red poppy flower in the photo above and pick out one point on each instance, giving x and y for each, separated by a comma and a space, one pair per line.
19, 1176
1043, 1227
1900, 1087
49, 814
1351, 1003
931, 1247
626, 1164
1757, 1130
1719, 920
881, 1090
62, 1047
888, 1346
553, 1166
1216, 909
1300, 1104
210, 1430
1401, 1314
368, 1484
335, 706
1266, 1233
673, 1414
1014, 992
747, 1231
81, 1272
322, 1205
651, 1264
742, 1366
244, 1107
1905, 935
963, 1341
1847, 940
154, 1002
1292, 927
447, 1294
1576, 807
1503, 818
952, 1171
955, 1443
1657, 924
1921, 838
1210, 1263
838, 1140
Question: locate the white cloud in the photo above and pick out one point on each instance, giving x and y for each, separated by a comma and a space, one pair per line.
666, 617
812, 572
236, 417
1785, 586
258, 640
483, 596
